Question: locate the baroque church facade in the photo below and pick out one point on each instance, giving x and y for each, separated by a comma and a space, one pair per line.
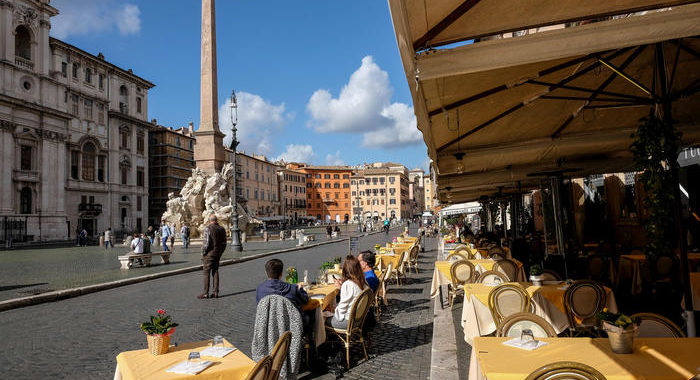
73, 134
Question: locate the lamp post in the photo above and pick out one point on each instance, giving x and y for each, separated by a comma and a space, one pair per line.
235, 232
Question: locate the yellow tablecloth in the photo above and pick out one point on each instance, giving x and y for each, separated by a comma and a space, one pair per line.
653, 359
330, 291
384, 260
442, 276
695, 290
548, 300
140, 364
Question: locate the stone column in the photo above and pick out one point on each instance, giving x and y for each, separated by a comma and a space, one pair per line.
209, 152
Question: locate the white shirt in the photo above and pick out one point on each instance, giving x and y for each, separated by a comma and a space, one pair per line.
348, 293
137, 245
108, 235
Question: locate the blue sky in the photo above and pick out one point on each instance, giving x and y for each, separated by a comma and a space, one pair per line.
322, 76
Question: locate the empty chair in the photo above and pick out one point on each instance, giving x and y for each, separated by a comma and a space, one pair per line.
582, 301
413, 258
506, 300
400, 270
279, 355
507, 267
657, 326
455, 256
261, 371
381, 289
461, 272
514, 324
566, 371
550, 275
492, 277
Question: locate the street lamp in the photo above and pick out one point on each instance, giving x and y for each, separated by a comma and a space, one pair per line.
235, 232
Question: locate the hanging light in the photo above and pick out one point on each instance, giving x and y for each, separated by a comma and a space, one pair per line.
460, 164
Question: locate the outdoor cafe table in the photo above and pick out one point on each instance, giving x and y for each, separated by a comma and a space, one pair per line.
652, 359
442, 275
548, 300
141, 364
631, 267
320, 297
695, 290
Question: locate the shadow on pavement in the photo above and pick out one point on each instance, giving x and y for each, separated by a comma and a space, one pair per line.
13, 287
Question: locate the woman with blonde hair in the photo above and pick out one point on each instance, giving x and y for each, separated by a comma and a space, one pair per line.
351, 285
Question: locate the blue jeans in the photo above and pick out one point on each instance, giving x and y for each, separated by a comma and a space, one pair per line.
165, 244
108, 243
185, 242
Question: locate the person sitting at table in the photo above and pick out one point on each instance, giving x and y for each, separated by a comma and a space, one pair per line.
367, 260
351, 285
275, 285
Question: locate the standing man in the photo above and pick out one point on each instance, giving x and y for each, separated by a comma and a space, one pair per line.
83, 238
108, 238
172, 236
185, 232
151, 233
165, 234
213, 245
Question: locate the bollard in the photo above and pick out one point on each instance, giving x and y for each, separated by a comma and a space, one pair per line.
265, 237
243, 237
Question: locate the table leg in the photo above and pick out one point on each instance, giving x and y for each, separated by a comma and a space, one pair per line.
442, 306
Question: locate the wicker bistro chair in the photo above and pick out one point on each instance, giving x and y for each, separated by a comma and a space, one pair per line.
507, 267
456, 256
413, 258
400, 270
514, 324
461, 272
492, 277
583, 300
380, 294
550, 275
261, 371
506, 300
566, 371
279, 355
496, 254
462, 250
657, 326
358, 312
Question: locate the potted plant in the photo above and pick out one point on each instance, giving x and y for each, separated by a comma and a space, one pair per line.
292, 275
536, 274
621, 330
158, 331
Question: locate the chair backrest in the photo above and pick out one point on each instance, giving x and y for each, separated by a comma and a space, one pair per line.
454, 256
462, 272
657, 326
514, 324
583, 299
261, 370
492, 277
387, 272
506, 300
414, 254
508, 267
598, 267
550, 275
566, 371
359, 309
279, 355
664, 266
462, 249
401, 265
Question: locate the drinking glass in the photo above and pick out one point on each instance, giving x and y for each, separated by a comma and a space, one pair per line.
218, 342
527, 337
193, 359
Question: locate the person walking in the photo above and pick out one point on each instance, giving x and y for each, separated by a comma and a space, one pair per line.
185, 233
329, 231
83, 238
165, 234
151, 233
213, 246
172, 236
108, 238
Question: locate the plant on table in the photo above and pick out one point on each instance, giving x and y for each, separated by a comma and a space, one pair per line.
158, 331
292, 275
621, 329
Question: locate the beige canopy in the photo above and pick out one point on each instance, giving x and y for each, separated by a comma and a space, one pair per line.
507, 91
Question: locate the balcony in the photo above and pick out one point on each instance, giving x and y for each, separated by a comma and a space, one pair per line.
329, 200
124, 108
25, 175
24, 63
90, 208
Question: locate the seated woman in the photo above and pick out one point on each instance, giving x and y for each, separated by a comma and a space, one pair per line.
351, 285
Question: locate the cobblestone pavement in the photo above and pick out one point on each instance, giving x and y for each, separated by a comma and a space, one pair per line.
80, 337
32, 271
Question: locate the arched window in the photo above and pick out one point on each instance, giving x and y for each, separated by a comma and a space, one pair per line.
88, 161
123, 99
23, 42
25, 201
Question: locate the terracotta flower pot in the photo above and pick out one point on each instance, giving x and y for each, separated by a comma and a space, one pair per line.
158, 344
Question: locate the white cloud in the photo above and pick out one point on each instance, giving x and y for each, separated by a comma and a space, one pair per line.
364, 106
258, 121
297, 153
79, 17
334, 159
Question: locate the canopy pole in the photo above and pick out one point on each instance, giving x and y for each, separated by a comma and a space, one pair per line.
556, 208
666, 106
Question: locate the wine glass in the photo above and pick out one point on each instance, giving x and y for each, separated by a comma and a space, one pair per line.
193, 360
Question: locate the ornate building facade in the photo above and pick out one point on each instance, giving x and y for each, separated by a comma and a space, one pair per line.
73, 134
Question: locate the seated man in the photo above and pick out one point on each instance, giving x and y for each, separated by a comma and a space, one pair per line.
275, 285
367, 260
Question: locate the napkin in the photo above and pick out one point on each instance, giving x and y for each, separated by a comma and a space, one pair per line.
183, 368
318, 296
217, 352
529, 345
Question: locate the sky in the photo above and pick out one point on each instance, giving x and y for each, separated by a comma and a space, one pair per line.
317, 81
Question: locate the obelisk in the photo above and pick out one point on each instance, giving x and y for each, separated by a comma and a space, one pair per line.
209, 153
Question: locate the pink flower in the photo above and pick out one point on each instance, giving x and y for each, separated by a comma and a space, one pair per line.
161, 311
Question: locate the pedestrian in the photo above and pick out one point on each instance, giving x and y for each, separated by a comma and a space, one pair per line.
77, 237
213, 245
329, 231
137, 246
172, 236
83, 238
108, 238
337, 231
151, 233
185, 232
165, 234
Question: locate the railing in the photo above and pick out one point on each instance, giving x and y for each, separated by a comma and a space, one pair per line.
24, 63
124, 108
26, 175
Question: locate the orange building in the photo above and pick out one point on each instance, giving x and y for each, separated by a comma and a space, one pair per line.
327, 192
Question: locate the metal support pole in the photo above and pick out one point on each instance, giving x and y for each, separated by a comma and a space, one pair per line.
235, 232
556, 210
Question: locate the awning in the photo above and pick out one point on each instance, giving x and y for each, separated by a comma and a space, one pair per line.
547, 87
461, 208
